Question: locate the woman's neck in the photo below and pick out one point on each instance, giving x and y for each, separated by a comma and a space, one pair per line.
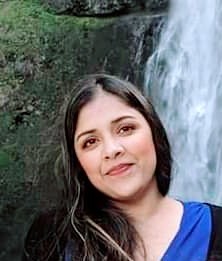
144, 206
157, 221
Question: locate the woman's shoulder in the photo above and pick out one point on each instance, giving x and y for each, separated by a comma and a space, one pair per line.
47, 236
214, 212
216, 236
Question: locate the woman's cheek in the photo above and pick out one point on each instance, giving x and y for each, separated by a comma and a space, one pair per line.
142, 144
90, 162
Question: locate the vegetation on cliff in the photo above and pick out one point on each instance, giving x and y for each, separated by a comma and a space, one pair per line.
41, 55
39, 51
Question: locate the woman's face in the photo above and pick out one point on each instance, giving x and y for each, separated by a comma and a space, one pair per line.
114, 145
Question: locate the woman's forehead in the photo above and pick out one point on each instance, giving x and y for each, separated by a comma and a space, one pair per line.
104, 104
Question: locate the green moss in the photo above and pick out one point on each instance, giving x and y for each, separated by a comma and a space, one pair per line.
59, 48
4, 159
25, 30
23, 21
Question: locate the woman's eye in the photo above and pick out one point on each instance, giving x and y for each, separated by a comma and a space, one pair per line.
89, 142
126, 129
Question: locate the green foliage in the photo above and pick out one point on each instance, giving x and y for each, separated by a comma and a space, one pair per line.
42, 52
24, 26
22, 23
4, 159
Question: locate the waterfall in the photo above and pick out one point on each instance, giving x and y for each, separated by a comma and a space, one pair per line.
184, 80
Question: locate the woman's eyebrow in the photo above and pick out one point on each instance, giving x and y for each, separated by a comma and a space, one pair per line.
112, 122
122, 118
84, 133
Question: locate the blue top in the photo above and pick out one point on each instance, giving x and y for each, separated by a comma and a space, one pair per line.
191, 241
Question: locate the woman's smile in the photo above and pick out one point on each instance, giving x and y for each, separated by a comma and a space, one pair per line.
120, 169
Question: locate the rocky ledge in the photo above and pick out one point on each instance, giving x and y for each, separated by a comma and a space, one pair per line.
104, 7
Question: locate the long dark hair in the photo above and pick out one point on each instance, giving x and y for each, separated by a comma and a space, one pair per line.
101, 231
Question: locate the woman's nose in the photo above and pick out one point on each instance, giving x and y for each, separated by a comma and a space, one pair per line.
112, 149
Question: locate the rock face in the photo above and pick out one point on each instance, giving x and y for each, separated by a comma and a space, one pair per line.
3, 61
104, 7
122, 47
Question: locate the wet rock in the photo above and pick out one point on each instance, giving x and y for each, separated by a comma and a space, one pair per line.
4, 99
122, 48
24, 68
104, 7
30, 108
3, 60
156, 5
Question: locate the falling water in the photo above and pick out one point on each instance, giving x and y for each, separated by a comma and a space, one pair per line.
184, 79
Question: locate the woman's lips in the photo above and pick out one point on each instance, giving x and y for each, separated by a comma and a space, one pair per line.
119, 169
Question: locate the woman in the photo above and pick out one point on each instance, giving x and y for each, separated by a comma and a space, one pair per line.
117, 163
